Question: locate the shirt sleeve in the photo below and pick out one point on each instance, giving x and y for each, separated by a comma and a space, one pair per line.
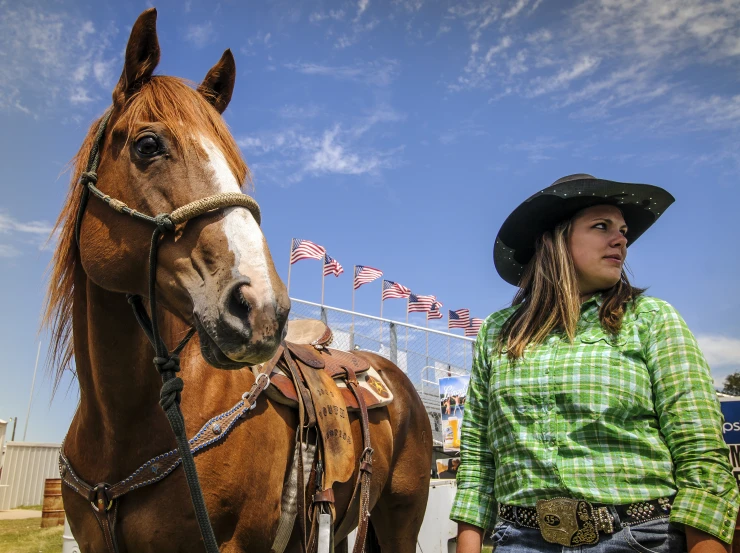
474, 502
691, 423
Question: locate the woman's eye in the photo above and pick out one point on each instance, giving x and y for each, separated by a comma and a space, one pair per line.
600, 225
147, 146
623, 231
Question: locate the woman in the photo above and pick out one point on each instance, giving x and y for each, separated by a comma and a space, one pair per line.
588, 391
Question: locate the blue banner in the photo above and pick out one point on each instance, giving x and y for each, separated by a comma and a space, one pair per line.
731, 427
731, 431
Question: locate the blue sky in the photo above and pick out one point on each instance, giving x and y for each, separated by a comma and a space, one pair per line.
398, 135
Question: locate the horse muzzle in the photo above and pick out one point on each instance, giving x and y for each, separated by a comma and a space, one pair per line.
244, 327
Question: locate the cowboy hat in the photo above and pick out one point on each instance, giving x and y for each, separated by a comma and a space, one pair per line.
641, 205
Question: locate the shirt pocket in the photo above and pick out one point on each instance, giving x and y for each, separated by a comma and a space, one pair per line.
614, 366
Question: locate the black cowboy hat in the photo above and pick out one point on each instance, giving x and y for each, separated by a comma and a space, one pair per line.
641, 205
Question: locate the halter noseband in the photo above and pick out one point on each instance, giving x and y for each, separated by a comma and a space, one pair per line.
167, 364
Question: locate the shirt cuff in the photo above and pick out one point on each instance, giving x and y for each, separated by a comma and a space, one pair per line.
706, 512
475, 507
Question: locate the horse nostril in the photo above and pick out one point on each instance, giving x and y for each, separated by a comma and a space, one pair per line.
241, 307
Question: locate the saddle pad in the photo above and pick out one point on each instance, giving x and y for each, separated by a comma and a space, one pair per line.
308, 331
374, 390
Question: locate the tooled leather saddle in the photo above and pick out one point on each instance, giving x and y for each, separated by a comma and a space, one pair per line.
324, 384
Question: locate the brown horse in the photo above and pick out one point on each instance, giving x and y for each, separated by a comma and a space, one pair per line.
165, 146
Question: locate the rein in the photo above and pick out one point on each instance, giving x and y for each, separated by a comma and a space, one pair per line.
167, 363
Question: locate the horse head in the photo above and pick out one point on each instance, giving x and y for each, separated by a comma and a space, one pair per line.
165, 146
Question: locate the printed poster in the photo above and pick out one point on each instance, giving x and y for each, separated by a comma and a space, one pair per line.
731, 431
452, 391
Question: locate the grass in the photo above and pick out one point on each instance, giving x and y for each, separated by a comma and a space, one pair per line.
26, 536
32, 507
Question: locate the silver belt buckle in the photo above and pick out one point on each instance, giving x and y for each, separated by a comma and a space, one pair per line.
566, 521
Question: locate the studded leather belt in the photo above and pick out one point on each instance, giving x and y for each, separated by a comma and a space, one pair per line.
574, 522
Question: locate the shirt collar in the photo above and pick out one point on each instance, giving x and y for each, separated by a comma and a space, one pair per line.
590, 308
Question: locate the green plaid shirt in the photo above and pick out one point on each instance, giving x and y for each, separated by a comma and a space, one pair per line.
607, 419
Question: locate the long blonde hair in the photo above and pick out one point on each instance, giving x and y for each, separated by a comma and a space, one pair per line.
549, 297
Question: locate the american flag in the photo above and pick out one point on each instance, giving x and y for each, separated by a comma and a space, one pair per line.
303, 249
394, 290
420, 304
474, 327
332, 266
459, 318
363, 275
435, 312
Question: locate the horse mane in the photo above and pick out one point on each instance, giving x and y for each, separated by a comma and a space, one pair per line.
168, 100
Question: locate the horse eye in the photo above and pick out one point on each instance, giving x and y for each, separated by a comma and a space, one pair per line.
147, 146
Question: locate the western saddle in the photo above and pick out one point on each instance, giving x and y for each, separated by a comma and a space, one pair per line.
324, 384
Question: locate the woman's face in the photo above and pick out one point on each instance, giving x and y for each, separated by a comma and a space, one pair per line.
598, 246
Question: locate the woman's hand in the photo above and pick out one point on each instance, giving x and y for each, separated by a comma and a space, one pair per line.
469, 538
701, 542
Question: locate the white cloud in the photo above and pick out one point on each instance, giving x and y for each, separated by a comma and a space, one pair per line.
478, 68
288, 156
80, 96
627, 62
332, 157
361, 7
260, 40
540, 149
539, 36
48, 54
583, 66
200, 34
379, 73
466, 128
358, 29
720, 351
7, 251
10, 225
318, 17
410, 6
514, 10
299, 112
16, 236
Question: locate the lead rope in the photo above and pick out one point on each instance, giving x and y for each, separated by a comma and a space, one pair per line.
166, 363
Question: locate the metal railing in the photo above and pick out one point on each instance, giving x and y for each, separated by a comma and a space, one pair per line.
424, 354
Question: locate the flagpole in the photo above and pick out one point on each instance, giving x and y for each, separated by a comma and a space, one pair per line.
407, 325
427, 336
381, 313
323, 266
290, 265
352, 334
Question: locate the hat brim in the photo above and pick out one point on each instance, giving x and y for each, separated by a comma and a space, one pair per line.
641, 205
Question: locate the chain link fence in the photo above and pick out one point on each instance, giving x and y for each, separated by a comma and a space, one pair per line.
425, 355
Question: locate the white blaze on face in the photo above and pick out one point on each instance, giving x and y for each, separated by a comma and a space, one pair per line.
243, 234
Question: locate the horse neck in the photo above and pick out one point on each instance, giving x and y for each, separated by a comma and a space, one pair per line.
119, 386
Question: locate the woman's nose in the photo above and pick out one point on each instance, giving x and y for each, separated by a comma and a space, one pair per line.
619, 239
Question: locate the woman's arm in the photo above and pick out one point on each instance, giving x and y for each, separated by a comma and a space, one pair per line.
698, 542
470, 538
474, 501
691, 422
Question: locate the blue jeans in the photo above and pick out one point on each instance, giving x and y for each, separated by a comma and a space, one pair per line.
654, 536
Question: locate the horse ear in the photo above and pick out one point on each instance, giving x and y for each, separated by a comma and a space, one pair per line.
219, 82
142, 55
